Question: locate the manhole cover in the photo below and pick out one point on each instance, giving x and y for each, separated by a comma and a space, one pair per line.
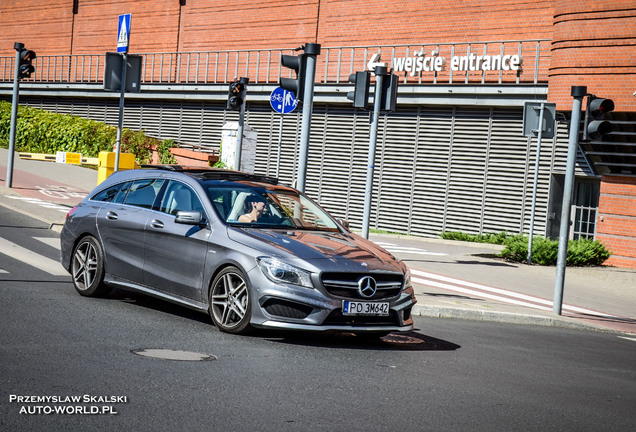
167, 354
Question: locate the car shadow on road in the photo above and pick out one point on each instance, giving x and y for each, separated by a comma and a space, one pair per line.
407, 341
397, 341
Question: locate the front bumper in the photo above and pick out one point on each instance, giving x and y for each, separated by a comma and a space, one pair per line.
278, 306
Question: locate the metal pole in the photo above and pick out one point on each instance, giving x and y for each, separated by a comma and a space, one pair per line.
311, 51
120, 123
239, 138
577, 93
280, 144
14, 113
380, 72
536, 182
241, 122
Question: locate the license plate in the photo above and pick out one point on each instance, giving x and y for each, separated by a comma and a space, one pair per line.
365, 308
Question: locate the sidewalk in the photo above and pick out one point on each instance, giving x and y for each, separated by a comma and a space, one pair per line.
47, 191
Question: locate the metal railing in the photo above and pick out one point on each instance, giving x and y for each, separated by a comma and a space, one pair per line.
334, 64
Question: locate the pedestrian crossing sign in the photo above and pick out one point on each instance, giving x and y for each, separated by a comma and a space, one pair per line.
123, 33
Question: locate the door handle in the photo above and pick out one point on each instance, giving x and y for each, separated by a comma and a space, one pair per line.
156, 224
112, 215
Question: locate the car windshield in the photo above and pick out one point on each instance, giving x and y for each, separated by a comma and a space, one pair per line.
244, 204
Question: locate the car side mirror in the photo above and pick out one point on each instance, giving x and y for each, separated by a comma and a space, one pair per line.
189, 218
344, 223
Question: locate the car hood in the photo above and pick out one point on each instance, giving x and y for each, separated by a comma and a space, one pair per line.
347, 251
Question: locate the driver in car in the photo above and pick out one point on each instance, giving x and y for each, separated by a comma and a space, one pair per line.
254, 207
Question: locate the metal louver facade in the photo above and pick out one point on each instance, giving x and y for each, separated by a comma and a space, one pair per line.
437, 168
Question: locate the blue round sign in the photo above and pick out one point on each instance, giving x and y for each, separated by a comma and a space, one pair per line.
282, 101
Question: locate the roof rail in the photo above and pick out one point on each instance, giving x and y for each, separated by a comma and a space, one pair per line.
211, 173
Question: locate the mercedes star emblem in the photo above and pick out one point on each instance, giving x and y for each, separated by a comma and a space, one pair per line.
367, 286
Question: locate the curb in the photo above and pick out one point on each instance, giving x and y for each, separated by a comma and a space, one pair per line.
506, 317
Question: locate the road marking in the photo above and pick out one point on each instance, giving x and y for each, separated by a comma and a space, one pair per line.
51, 241
485, 291
633, 339
31, 258
60, 208
393, 248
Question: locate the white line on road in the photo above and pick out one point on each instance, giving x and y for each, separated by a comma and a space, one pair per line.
391, 247
51, 241
31, 258
39, 202
517, 298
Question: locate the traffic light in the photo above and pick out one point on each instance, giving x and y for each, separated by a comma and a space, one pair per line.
595, 125
360, 93
25, 68
389, 92
236, 94
295, 85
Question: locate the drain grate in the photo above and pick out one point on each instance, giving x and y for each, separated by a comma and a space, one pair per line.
168, 354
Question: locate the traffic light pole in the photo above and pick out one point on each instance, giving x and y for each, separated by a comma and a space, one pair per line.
14, 113
241, 123
311, 51
380, 73
578, 92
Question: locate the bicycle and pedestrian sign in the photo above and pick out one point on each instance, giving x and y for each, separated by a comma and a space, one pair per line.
282, 101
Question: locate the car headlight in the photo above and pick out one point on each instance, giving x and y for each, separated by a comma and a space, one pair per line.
407, 277
279, 271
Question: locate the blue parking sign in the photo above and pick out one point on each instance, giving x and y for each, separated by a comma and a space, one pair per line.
123, 33
282, 101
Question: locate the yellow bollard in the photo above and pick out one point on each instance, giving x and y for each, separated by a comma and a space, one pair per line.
106, 165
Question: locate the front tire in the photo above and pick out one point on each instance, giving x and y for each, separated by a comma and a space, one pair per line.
230, 301
87, 268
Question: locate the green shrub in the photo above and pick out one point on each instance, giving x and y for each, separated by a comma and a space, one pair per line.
586, 253
544, 251
494, 238
163, 150
40, 131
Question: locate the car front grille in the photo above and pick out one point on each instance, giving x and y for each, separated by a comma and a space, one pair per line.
388, 285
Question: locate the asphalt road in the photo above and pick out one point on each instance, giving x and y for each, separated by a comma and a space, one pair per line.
446, 375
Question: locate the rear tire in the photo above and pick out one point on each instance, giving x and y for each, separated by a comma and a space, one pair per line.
87, 268
230, 301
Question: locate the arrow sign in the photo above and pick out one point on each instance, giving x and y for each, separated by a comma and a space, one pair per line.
123, 33
375, 61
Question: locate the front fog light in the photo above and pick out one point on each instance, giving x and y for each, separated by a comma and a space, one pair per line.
279, 271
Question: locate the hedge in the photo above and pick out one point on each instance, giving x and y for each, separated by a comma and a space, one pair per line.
544, 251
40, 131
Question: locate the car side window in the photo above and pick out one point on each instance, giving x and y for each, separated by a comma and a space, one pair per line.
108, 194
143, 193
180, 197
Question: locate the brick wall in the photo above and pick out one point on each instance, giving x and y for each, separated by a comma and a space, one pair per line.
593, 45
154, 26
44, 26
164, 25
616, 224
414, 21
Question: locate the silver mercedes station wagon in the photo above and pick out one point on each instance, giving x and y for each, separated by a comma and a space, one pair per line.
241, 247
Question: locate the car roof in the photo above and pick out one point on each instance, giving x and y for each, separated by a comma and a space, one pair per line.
210, 173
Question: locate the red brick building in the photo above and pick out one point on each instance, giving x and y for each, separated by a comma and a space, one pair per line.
589, 43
